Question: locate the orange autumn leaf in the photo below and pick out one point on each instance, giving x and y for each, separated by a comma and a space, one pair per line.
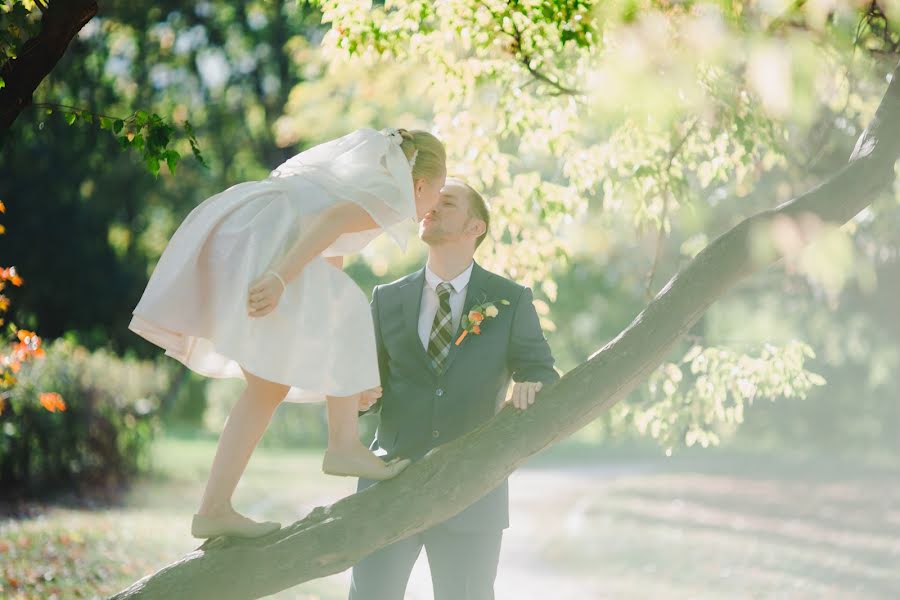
4, 303
52, 401
2, 207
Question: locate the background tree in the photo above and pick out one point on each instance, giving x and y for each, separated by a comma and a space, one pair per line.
613, 141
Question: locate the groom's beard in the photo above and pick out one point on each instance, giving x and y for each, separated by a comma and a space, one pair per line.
438, 237
433, 235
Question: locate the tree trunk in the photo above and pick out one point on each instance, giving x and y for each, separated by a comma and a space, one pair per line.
60, 23
450, 478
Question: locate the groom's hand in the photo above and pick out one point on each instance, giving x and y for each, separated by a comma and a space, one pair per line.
523, 393
368, 398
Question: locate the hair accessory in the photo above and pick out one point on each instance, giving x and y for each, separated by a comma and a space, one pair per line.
393, 135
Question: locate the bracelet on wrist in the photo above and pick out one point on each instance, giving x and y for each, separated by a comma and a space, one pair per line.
279, 278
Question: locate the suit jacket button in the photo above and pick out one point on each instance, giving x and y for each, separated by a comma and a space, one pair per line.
439, 392
435, 434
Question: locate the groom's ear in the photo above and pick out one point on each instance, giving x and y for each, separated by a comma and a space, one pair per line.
476, 227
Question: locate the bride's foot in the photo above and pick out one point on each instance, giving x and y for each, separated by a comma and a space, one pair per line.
232, 524
361, 463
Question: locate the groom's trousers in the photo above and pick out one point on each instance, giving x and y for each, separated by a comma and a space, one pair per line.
463, 566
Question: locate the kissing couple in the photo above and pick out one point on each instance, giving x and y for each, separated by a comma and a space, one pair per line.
251, 285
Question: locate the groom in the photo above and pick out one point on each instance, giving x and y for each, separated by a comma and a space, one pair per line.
436, 390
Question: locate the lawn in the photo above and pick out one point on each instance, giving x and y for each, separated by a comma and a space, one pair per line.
586, 524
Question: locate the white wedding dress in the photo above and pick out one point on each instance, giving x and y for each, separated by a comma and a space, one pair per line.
320, 338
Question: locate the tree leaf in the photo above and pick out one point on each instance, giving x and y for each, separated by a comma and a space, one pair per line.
172, 158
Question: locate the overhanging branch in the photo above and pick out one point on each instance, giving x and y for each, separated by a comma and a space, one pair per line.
60, 23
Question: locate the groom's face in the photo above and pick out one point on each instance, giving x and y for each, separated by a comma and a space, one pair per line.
451, 219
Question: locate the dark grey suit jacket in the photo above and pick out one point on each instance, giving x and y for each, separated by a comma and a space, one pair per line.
421, 409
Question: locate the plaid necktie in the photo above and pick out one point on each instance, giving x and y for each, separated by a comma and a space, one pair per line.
441, 329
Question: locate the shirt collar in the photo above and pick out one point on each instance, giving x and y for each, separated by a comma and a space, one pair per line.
459, 282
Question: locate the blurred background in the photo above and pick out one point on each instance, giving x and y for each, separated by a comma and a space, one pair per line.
613, 141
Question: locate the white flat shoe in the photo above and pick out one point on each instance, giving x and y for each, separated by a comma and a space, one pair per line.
204, 527
346, 466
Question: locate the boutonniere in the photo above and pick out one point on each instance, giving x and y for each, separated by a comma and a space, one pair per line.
474, 319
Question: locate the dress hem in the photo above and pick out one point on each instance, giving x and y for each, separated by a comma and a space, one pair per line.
300, 393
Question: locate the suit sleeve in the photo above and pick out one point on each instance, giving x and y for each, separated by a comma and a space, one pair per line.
379, 349
530, 358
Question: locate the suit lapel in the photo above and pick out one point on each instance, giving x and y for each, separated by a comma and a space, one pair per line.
412, 305
475, 293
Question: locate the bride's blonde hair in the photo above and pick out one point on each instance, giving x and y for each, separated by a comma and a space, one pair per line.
431, 158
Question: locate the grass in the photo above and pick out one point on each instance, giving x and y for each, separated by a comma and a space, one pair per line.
585, 524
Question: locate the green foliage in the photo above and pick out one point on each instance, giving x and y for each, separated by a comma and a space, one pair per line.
627, 134
100, 440
147, 133
19, 21
692, 401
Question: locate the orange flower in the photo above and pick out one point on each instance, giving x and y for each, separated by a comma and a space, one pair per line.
476, 329
52, 401
10, 274
476, 317
29, 341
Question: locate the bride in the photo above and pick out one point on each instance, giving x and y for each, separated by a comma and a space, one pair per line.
251, 285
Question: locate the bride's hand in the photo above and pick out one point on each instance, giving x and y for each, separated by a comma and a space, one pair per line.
264, 294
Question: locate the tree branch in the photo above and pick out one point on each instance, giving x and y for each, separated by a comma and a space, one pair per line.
60, 23
524, 58
450, 478
661, 233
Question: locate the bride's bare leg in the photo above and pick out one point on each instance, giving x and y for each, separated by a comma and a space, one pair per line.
346, 454
343, 426
244, 427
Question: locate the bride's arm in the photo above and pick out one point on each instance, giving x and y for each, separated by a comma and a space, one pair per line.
324, 229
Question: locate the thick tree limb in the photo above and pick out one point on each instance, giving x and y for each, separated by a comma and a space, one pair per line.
60, 23
333, 538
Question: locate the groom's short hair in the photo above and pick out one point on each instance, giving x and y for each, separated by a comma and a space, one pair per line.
478, 208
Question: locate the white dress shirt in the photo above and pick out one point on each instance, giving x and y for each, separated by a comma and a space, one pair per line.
430, 301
